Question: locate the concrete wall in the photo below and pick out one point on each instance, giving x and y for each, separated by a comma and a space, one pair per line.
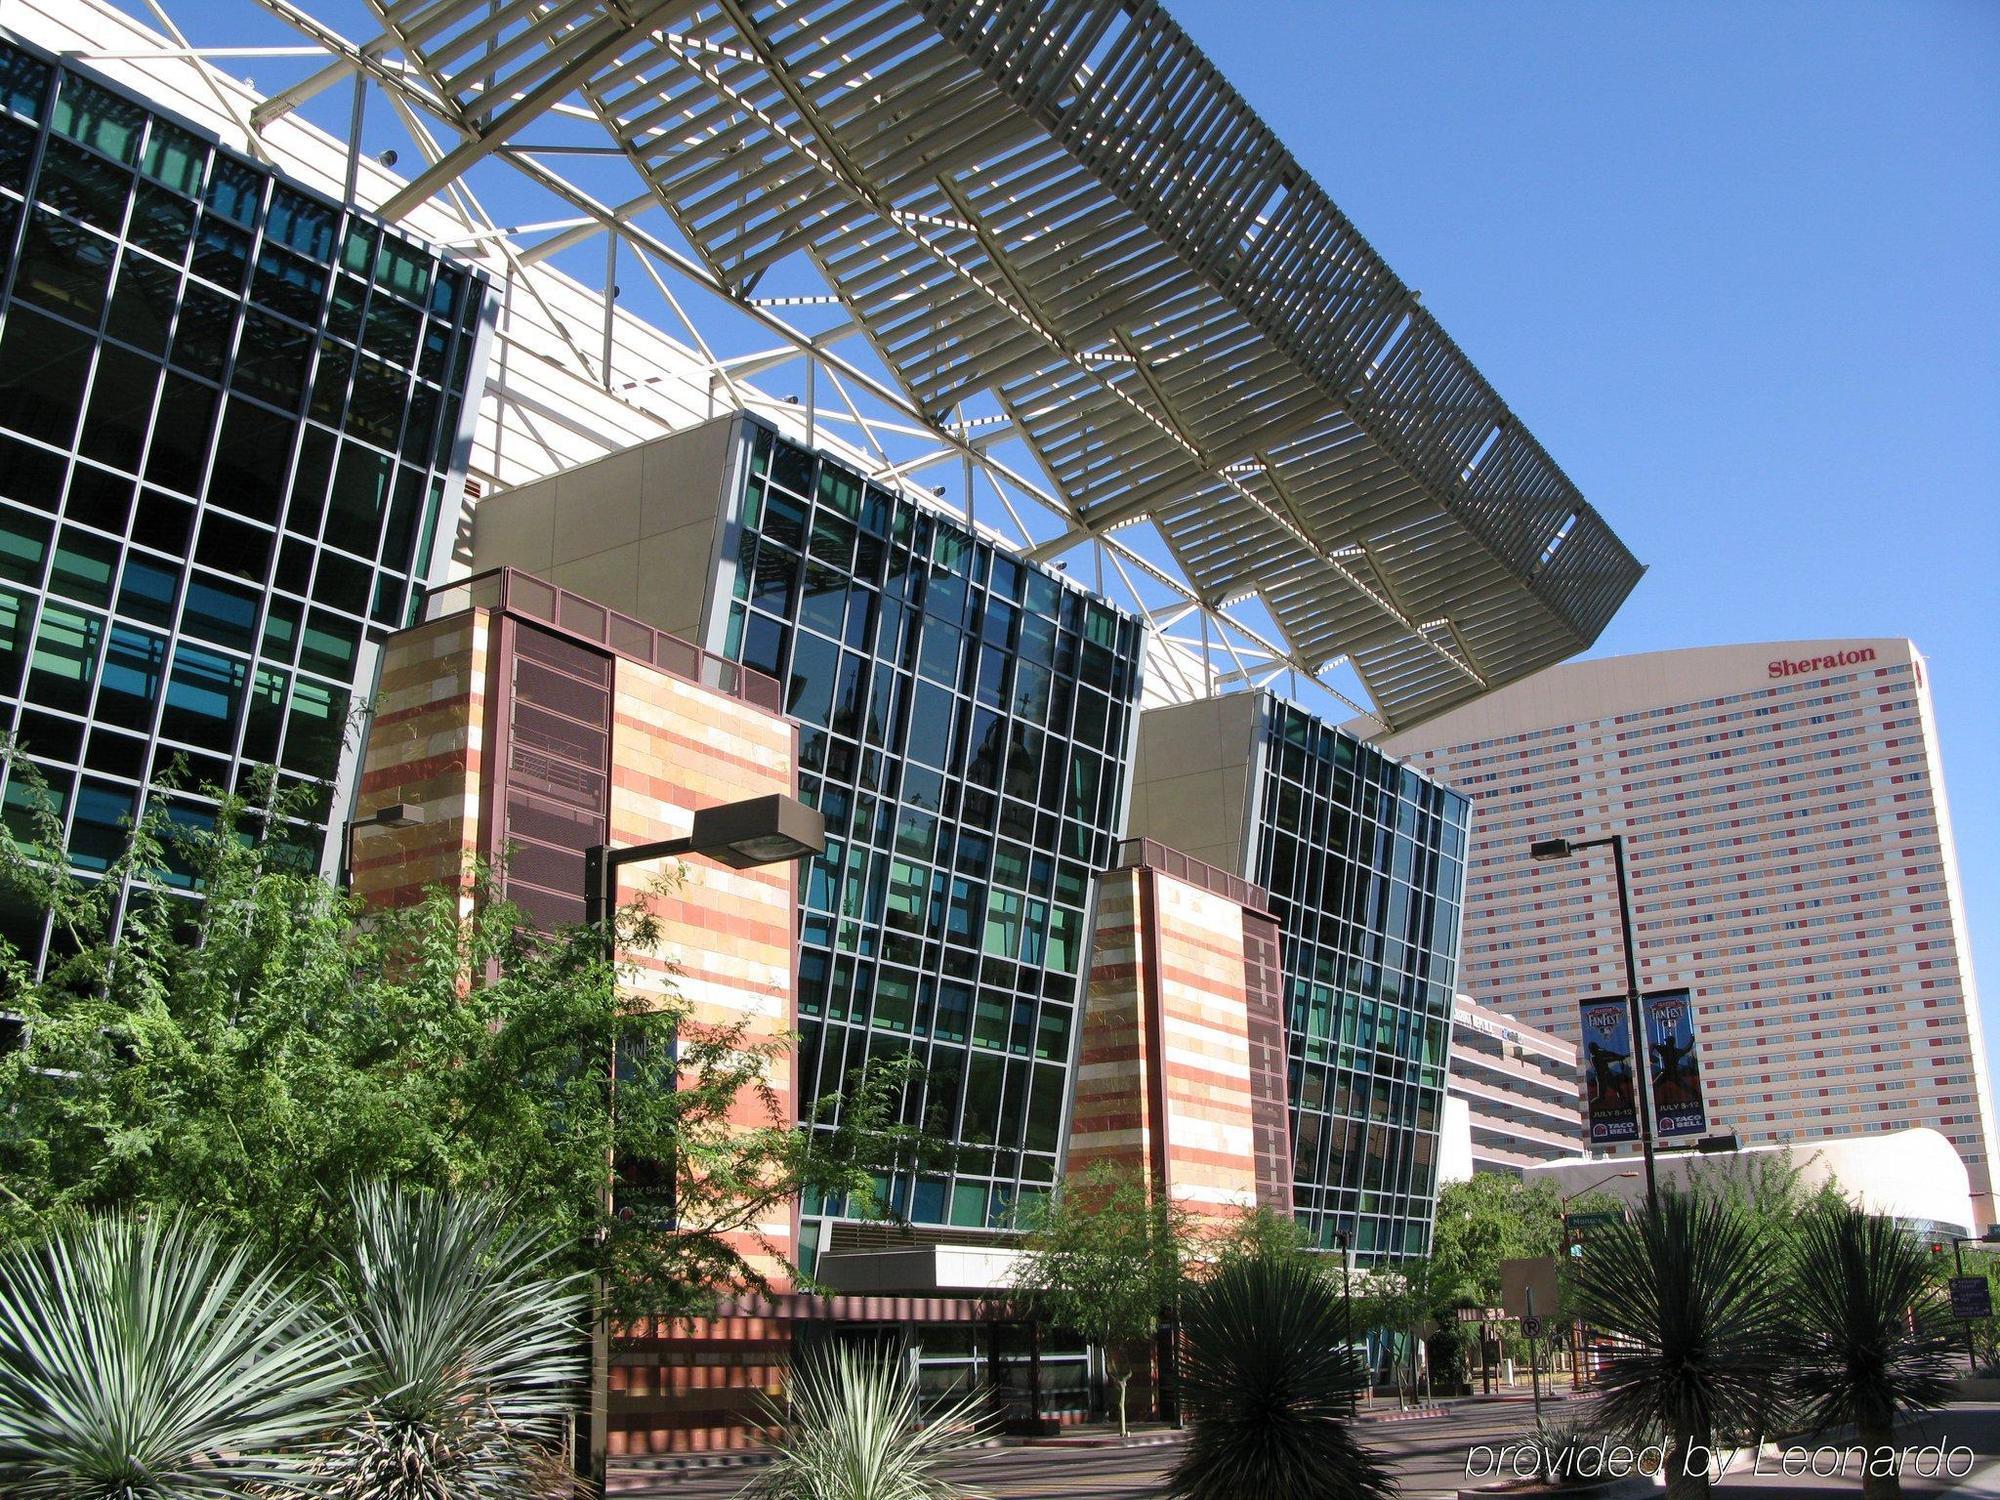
1191, 780
635, 531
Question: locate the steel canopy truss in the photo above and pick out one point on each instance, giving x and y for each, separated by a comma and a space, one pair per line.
1061, 207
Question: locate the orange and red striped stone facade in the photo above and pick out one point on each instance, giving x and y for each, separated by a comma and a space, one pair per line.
1182, 1068
524, 742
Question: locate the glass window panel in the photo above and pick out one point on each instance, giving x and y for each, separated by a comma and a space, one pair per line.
288, 284
281, 627
204, 699
98, 118
142, 307
341, 582
203, 334
252, 457
225, 613
375, 407
392, 331
329, 645
307, 508
181, 434
403, 269
31, 475
235, 191
24, 545
222, 254
24, 81
161, 223
175, 157
64, 267
360, 496
399, 538
98, 832
83, 186
64, 665
271, 361
83, 567
234, 547
306, 224
121, 408
147, 588
314, 729
814, 664
15, 612
135, 663
17, 157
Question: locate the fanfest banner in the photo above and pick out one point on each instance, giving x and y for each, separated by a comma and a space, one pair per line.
1677, 1106
1607, 1072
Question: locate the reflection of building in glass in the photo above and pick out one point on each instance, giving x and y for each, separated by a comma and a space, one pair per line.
232, 412
965, 721
1363, 863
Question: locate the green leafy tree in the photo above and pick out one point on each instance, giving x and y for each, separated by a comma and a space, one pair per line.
250, 1053
141, 1359
1103, 1258
1690, 1285
1870, 1333
1488, 1218
1269, 1380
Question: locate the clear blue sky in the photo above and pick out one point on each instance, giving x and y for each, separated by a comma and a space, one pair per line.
1738, 267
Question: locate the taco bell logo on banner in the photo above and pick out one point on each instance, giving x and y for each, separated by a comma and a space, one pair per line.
1677, 1106
1608, 1073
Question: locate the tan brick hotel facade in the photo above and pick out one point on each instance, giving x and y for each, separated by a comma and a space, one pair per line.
1792, 862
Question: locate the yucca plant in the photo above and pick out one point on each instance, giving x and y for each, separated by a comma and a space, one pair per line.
143, 1360
1868, 1338
1268, 1377
466, 1347
853, 1431
1691, 1287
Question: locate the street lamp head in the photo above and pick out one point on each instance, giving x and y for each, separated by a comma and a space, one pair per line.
1546, 850
396, 815
762, 831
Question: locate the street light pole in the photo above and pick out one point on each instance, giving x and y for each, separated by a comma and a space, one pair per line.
1563, 1201
761, 831
1642, 1071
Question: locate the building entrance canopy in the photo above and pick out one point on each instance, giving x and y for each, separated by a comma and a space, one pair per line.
1064, 209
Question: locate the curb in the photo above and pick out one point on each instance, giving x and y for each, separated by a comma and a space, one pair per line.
1139, 1440
1421, 1414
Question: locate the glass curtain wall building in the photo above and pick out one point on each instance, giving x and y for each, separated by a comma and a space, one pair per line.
1363, 862
966, 723
231, 414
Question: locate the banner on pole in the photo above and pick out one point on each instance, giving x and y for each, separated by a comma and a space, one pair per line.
1676, 1069
1608, 1072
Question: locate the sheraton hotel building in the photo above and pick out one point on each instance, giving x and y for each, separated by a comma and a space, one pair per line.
1027, 492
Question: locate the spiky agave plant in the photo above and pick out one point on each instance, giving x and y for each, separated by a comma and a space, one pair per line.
143, 1360
1867, 1332
1268, 1378
852, 1432
466, 1345
1691, 1288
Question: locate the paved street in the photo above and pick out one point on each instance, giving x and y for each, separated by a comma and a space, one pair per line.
1429, 1456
